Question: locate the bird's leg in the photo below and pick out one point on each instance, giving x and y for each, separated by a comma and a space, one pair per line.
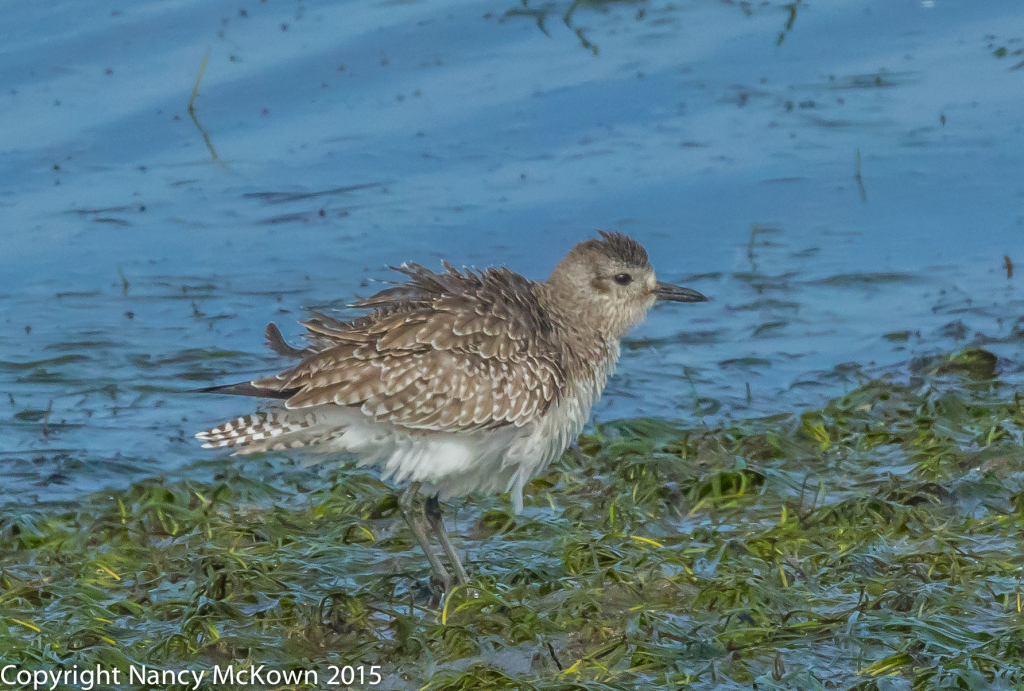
432, 510
406, 506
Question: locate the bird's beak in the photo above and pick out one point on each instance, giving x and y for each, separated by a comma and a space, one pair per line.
671, 293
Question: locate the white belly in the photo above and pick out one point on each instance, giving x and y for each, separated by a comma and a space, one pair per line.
500, 460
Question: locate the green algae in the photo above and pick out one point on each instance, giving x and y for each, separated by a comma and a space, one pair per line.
874, 543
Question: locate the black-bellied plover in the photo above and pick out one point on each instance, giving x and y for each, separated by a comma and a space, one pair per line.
457, 381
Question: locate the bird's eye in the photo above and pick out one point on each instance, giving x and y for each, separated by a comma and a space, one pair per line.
623, 279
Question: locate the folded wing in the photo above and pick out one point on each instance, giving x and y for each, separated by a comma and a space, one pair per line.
458, 350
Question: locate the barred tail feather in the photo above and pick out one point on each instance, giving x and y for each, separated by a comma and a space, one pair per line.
265, 431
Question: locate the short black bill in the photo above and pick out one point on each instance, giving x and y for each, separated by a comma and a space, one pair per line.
671, 293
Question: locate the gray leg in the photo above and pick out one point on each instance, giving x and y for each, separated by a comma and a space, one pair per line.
432, 510
406, 506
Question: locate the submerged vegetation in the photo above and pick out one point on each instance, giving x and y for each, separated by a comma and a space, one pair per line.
874, 543
566, 11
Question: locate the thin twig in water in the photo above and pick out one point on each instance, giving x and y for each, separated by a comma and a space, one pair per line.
192, 106
860, 180
791, 8
124, 281
751, 254
46, 419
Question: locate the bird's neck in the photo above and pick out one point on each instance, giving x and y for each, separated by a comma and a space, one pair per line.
589, 348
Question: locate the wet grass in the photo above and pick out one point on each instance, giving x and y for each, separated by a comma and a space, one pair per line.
874, 543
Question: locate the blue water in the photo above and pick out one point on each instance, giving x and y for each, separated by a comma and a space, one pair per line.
353, 135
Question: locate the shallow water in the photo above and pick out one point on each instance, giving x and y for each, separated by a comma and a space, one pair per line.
845, 196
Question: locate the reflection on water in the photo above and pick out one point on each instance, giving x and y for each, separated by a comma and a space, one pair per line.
846, 191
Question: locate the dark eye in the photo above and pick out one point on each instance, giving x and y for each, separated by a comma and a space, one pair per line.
623, 279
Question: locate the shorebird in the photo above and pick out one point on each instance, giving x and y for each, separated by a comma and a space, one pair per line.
457, 381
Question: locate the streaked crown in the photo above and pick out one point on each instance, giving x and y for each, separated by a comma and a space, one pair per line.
621, 247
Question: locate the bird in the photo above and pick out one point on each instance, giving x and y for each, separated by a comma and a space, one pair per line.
455, 381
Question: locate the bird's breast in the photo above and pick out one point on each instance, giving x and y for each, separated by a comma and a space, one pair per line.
564, 420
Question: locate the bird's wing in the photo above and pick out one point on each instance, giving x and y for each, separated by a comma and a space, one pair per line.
445, 352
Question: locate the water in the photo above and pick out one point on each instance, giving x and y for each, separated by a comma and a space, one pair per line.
353, 135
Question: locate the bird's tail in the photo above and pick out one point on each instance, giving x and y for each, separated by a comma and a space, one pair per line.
265, 431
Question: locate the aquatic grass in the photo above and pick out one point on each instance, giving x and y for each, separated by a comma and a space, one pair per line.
872, 543
568, 11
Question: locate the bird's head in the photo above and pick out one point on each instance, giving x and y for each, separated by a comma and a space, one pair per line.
610, 282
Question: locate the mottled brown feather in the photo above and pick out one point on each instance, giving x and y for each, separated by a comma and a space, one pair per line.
451, 351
